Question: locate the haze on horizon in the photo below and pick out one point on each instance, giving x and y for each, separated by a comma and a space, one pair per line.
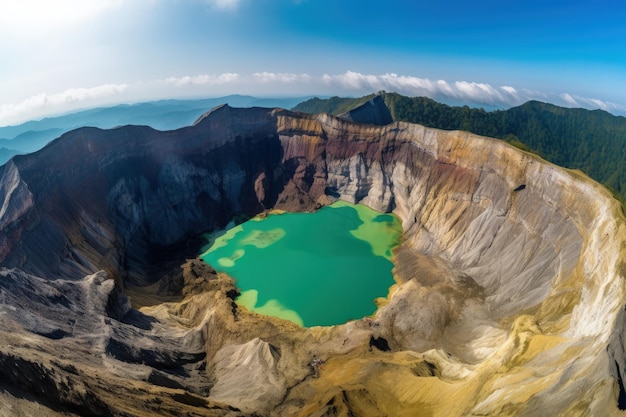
72, 54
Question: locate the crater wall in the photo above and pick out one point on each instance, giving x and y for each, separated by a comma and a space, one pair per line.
509, 296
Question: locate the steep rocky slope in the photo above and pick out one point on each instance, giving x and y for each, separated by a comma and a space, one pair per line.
509, 296
589, 140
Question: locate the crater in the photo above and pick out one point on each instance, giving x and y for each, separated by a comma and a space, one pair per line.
509, 270
315, 269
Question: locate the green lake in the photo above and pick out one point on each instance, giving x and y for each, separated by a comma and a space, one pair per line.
315, 269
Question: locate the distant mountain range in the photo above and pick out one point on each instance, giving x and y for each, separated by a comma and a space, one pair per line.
593, 141
161, 115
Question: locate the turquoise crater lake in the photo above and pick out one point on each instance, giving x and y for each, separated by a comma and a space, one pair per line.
315, 269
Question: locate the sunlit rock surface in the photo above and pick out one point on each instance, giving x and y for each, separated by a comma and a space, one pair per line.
509, 295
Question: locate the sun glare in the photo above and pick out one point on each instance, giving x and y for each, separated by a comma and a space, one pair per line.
38, 17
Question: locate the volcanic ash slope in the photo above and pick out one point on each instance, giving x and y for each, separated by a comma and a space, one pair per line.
509, 297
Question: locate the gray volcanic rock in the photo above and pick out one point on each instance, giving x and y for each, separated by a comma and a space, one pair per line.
248, 375
137, 189
16, 202
374, 112
509, 287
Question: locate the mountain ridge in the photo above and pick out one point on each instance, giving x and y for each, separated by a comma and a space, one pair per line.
161, 115
593, 141
509, 279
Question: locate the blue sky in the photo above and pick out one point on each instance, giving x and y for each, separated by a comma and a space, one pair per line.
69, 54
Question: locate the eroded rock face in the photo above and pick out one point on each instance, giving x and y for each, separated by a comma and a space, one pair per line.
248, 375
509, 286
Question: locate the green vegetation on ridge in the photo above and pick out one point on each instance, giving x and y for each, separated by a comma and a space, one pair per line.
592, 141
334, 105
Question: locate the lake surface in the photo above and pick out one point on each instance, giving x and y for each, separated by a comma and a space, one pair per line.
315, 269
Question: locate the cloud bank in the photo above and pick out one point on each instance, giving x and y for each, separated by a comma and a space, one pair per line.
274, 84
462, 91
53, 103
281, 77
204, 79
415, 86
356, 83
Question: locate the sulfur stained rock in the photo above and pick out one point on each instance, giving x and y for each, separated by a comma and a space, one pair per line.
248, 375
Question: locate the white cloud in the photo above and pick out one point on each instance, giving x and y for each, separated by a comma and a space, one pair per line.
51, 103
281, 77
592, 103
599, 103
415, 86
509, 89
444, 87
271, 84
203, 79
470, 92
359, 81
480, 92
569, 100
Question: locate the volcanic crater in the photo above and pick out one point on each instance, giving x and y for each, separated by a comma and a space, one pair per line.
509, 289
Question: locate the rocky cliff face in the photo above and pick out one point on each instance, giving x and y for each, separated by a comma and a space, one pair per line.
509, 296
374, 112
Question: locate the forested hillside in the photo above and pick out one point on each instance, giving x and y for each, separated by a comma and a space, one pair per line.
334, 105
592, 141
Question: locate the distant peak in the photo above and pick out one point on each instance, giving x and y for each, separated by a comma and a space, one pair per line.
373, 111
215, 109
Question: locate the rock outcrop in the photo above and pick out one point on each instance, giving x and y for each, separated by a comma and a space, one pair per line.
374, 112
509, 295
